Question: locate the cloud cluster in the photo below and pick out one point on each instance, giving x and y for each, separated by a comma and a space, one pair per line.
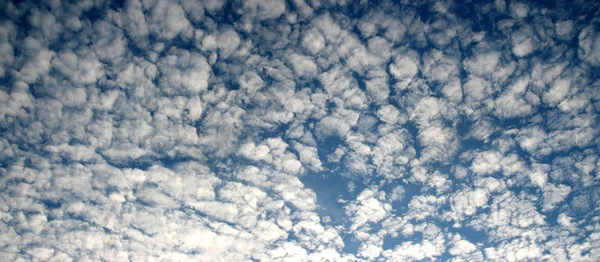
182, 130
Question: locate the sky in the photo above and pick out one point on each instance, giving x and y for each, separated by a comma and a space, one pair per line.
299, 130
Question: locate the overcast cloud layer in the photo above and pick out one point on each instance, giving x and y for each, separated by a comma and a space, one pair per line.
272, 130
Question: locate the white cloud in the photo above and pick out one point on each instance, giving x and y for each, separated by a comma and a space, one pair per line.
264, 10
303, 66
483, 63
519, 10
403, 68
438, 66
522, 44
476, 91
531, 140
462, 247
388, 114
423, 206
564, 28
589, 41
313, 42
38, 66
184, 71
511, 102
453, 91
557, 92
331, 125
367, 209
251, 151
487, 162
410, 251
554, 195
7, 52
228, 42
440, 143
135, 21
467, 203
167, 20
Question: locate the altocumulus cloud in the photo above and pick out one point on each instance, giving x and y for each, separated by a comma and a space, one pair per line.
304, 130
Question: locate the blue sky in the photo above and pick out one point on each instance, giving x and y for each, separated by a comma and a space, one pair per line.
303, 130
